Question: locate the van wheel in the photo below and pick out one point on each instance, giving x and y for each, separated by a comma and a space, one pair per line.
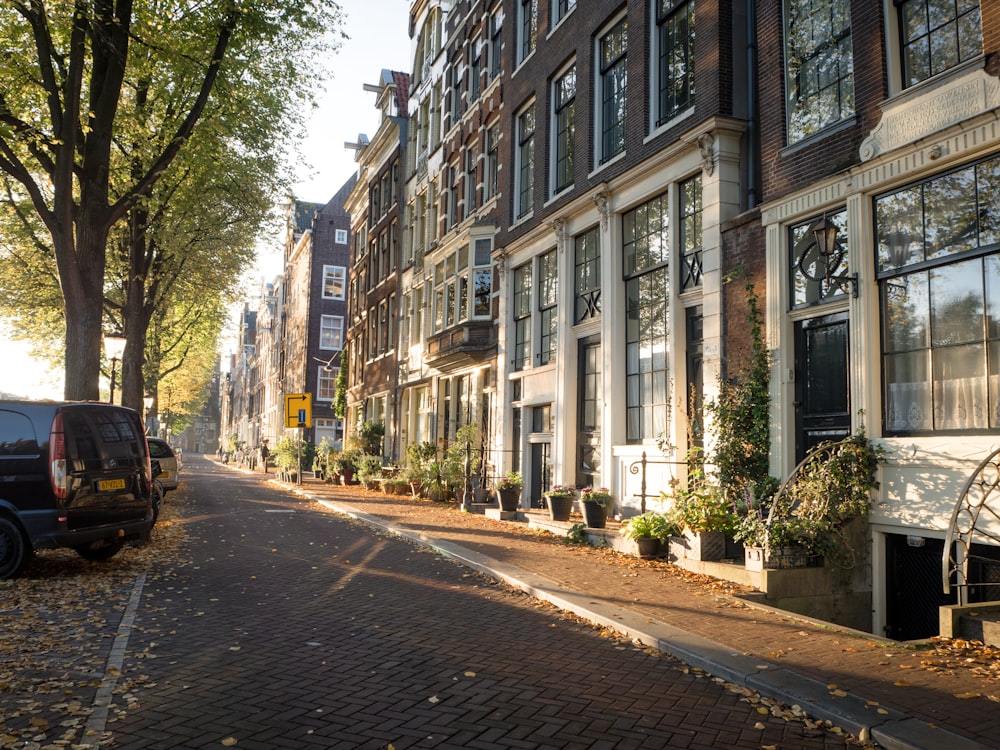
14, 550
98, 552
157, 498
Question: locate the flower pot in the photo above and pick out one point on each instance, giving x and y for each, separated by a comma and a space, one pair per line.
595, 515
649, 546
560, 506
703, 545
347, 476
509, 499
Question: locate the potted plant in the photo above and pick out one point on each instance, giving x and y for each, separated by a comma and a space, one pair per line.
418, 455
508, 489
560, 501
434, 483
806, 518
462, 460
705, 517
369, 468
346, 463
596, 503
650, 531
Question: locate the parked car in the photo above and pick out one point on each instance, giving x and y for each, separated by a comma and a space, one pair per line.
170, 463
72, 474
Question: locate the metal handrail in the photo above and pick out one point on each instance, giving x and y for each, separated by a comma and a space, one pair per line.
980, 490
640, 466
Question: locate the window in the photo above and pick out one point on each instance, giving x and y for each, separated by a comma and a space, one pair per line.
470, 182
326, 384
334, 282
462, 289
340, 236
331, 332
819, 65
527, 28
548, 306
809, 269
482, 277
475, 68
525, 161
564, 128
612, 47
935, 36
938, 270
561, 9
674, 67
522, 316
496, 29
491, 180
645, 250
690, 233
587, 279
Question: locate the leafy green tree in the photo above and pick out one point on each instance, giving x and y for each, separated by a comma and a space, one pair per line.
77, 108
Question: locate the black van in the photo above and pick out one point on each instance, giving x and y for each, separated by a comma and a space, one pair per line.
72, 474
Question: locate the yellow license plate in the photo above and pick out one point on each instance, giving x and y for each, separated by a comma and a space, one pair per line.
104, 485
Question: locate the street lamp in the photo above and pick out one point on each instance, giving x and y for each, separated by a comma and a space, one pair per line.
147, 414
825, 234
114, 348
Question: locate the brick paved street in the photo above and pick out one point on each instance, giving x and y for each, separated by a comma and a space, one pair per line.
292, 627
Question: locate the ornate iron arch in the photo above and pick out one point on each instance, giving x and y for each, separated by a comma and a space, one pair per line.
979, 500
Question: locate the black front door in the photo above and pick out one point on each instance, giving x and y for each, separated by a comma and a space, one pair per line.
822, 396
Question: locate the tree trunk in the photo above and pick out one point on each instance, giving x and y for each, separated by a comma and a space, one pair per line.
81, 273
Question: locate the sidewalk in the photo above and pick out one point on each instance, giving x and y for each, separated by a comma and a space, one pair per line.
899, 695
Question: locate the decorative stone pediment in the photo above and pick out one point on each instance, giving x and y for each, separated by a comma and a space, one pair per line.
950, 103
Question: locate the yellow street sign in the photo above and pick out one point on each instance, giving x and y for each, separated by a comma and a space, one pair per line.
298, 410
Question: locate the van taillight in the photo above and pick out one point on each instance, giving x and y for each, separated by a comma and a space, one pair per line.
57, 454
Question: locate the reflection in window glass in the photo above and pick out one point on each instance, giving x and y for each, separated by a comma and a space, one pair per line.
647, 284
819, 60
936, 35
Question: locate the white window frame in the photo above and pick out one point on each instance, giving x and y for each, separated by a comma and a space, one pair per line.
340, 236
328, 325
658, 117
557, 14
524, 193
601, 155
526, 43
555, 187
337, 277
326, 383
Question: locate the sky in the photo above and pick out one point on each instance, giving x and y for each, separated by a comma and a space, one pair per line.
377, 31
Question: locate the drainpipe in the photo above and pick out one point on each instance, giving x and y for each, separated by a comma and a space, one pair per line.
753, 149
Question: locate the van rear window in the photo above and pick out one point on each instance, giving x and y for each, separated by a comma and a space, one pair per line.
115, 427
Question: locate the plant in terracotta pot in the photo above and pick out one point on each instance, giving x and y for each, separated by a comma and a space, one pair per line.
346, 464
596, 503
560, 501
508, 489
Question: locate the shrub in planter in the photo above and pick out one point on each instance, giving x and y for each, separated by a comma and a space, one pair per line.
369, 469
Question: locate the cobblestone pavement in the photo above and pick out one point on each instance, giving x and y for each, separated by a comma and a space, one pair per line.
923, 697
261, 618
295, 627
